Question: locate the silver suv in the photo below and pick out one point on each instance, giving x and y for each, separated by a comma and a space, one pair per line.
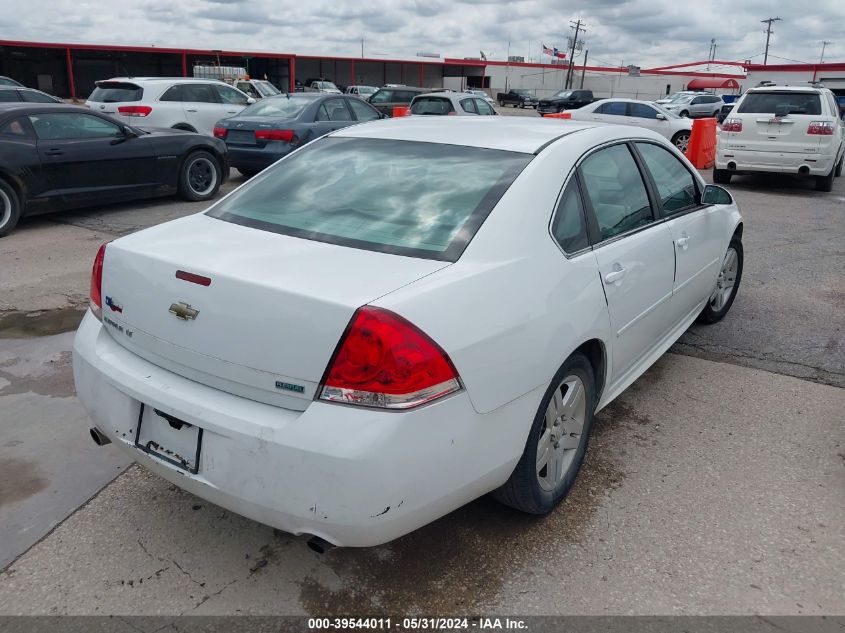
695, 105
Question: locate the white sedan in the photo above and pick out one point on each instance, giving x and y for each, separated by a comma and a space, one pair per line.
402, 316
641, 113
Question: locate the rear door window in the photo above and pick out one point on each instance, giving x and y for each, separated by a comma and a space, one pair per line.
33, 96
198, 93
9, 96
333, 110
362, 111
409, 198
783, 103
468, 105
615, 108
569, 226
116, 92
483, 107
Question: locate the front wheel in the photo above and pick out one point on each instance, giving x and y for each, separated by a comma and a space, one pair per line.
522, 105
681, 140
727, 283
721, 176
557, 441
684, 114
10, 208
200, 177
501, 104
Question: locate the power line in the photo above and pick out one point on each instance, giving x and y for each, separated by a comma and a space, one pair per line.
768, 35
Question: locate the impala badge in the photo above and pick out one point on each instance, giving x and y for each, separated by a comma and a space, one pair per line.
183, 311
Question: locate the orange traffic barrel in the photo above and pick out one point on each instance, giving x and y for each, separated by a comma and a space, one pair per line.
701, 150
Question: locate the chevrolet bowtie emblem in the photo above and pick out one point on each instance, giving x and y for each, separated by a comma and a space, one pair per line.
183, 311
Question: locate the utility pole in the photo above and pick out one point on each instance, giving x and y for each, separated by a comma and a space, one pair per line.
584, 68
824, 45
768, 35
577, 26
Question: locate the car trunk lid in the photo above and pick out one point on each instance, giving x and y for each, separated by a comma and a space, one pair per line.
264, 316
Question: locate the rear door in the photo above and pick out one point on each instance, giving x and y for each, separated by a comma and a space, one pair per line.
697, 230
611, 112
87, 158
633, 251
777, 121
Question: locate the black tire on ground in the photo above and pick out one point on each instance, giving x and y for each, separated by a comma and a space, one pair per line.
247, 173
684, 114
825, 183
521, 104
721, 176
501, 104
199, 176
708, 314
838, 171
681, 140
523, 491
10, 208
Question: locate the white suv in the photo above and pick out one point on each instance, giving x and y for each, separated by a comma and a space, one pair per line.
783, 129
183, 103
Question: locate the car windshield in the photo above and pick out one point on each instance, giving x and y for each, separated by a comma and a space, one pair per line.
266, 88
326, 85
682, 98
417, 199
563, 93
781, 103
284, 107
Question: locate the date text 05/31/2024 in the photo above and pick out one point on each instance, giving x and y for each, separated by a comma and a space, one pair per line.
416, 624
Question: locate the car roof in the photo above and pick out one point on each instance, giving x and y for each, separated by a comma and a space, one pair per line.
159, 79
514, 134
788, 88
446, 95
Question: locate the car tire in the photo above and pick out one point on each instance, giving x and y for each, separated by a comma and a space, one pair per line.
681, 140
247, 173
501, 104
722, 176
722, 298
537, 489
522, 106
825, 183
199, 176
838, 171
10, 208
684, 114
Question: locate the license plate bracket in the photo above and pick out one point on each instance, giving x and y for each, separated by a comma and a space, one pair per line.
169, 438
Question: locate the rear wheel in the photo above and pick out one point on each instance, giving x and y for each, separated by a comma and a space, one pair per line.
557, 441
199, 178
727, 283
684, 114
721, 176
10, 208
838, 171
825, 183
681, 140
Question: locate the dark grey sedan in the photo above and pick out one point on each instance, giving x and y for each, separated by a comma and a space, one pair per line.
270, 129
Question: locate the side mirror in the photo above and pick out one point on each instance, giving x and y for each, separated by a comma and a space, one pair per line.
250, 100
126, 134
660, 116
713, 194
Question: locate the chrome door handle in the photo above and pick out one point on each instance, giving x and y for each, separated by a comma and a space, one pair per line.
614, 276
189, 110
231, 111
682, 242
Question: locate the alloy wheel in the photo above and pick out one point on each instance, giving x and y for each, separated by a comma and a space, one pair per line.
560, 435
725, 282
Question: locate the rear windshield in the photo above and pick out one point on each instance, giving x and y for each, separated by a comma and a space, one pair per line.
431, 105
409, 198
116, 93
782, 103
279, 107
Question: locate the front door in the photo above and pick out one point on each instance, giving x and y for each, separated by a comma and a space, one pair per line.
87, 158
633, 253
202, 106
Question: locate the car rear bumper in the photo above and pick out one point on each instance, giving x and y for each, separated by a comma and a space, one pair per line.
352, 476
257, 158
775, 162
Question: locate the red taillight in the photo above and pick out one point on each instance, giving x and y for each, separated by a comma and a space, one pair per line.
274, 135
134, 110
732, 125
821, 128
220, 132
384, 361
97, 283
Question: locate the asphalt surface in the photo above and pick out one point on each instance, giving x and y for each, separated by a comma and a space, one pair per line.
715, 484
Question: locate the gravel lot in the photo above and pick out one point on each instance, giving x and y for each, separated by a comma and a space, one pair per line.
714, 485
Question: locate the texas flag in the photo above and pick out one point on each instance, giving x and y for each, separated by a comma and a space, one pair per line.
559, 54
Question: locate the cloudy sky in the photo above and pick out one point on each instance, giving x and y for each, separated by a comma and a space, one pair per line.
643, 32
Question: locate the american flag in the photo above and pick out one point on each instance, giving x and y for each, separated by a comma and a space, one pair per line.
548, 51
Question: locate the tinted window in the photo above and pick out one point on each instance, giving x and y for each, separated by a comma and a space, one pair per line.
418, 199
281, 107
362, 111
643, 111
33, 96
616, 108
615, 188
468, 105
569, 226
248, 88
333, 110
116, 92
674, 182
404, 96
198, 93
72, 125
431, 105
483, 107
7, 96
18, 128
230, 95
785, 102
382, 96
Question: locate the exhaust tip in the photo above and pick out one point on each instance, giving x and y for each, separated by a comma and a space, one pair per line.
732, 166
99, 438
804, 170
319, 545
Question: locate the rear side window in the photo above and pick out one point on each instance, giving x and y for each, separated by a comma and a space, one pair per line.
616, 108
198, 93
382, 96
483, 107
469, 106
616, 191
33, 96
333, 110
674, 183
116, 92
431, 105
782, 103
174, 93
17, 128
569, 226
8, 96
409, 198
362, 111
